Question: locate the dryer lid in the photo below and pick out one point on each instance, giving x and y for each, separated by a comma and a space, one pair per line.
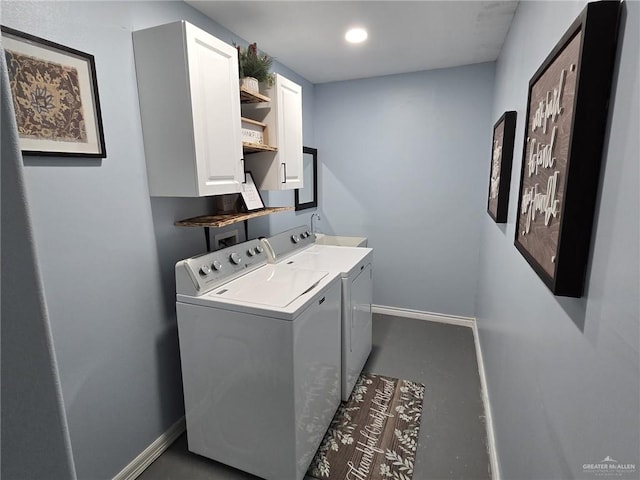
271, 285
346, 260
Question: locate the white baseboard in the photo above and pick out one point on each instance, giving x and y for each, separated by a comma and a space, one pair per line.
420, 315
152, 452
491, 439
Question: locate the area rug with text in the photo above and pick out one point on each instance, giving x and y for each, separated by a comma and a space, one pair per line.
373, 435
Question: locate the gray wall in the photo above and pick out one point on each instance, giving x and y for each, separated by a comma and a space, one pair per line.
106, 250
403, 162
35, 435
563, 373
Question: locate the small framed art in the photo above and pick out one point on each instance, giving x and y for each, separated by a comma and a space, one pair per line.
504, 132
55, 97
250, 194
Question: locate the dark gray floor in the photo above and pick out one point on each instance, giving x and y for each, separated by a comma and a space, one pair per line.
453, 441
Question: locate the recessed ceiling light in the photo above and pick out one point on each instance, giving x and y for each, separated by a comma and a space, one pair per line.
356, 35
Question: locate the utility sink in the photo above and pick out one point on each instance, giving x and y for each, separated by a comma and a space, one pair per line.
340, 241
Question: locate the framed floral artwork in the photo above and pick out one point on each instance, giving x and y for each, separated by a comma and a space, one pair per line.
504, 132
55, 97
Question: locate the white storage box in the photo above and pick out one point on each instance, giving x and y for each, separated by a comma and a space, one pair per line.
254, 132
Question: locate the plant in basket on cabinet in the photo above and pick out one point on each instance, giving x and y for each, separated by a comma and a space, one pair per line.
254, 67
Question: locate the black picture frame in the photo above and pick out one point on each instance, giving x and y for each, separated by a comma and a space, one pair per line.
59, 113
566, 122
251, 198
313, 152
504, 132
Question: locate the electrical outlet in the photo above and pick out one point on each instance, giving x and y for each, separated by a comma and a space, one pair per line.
226, 239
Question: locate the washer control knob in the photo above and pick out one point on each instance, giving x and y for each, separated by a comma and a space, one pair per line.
295, 238
251, 252
308, 233
216, 265
205, 270
235, 258
304, 235
259, 249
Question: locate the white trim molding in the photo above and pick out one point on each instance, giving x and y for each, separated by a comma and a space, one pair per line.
152, 452
484, 388
420, 315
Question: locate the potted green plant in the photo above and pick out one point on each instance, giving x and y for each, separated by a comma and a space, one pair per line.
254, 67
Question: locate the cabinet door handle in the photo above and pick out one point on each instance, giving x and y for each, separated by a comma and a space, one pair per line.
284, 170
322, 300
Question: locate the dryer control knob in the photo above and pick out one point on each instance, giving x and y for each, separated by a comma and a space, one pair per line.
205, 270
216, 265
235, 258
259, 249
251, 252
295, 238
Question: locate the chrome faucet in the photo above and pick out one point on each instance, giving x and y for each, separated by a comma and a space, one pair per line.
313, 226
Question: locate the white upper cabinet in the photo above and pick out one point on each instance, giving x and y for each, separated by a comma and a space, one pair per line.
281, 170
190, 107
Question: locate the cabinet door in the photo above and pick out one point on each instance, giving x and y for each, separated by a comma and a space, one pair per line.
215, 103
289, 112
281, 170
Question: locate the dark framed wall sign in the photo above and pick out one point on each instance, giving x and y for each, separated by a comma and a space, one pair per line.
55, 97
307, 197
565, 129
504, 132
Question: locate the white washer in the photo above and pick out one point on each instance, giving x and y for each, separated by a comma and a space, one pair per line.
260, 351
296, 248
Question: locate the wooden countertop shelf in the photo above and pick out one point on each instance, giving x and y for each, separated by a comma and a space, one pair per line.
247, 96
223, 220
257, 147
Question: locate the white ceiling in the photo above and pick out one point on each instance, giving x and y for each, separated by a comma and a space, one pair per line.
404, 36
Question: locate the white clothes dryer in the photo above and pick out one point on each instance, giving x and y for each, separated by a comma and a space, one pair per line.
296, 248
260, 351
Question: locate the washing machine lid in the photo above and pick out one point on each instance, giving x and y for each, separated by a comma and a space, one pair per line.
270, 286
